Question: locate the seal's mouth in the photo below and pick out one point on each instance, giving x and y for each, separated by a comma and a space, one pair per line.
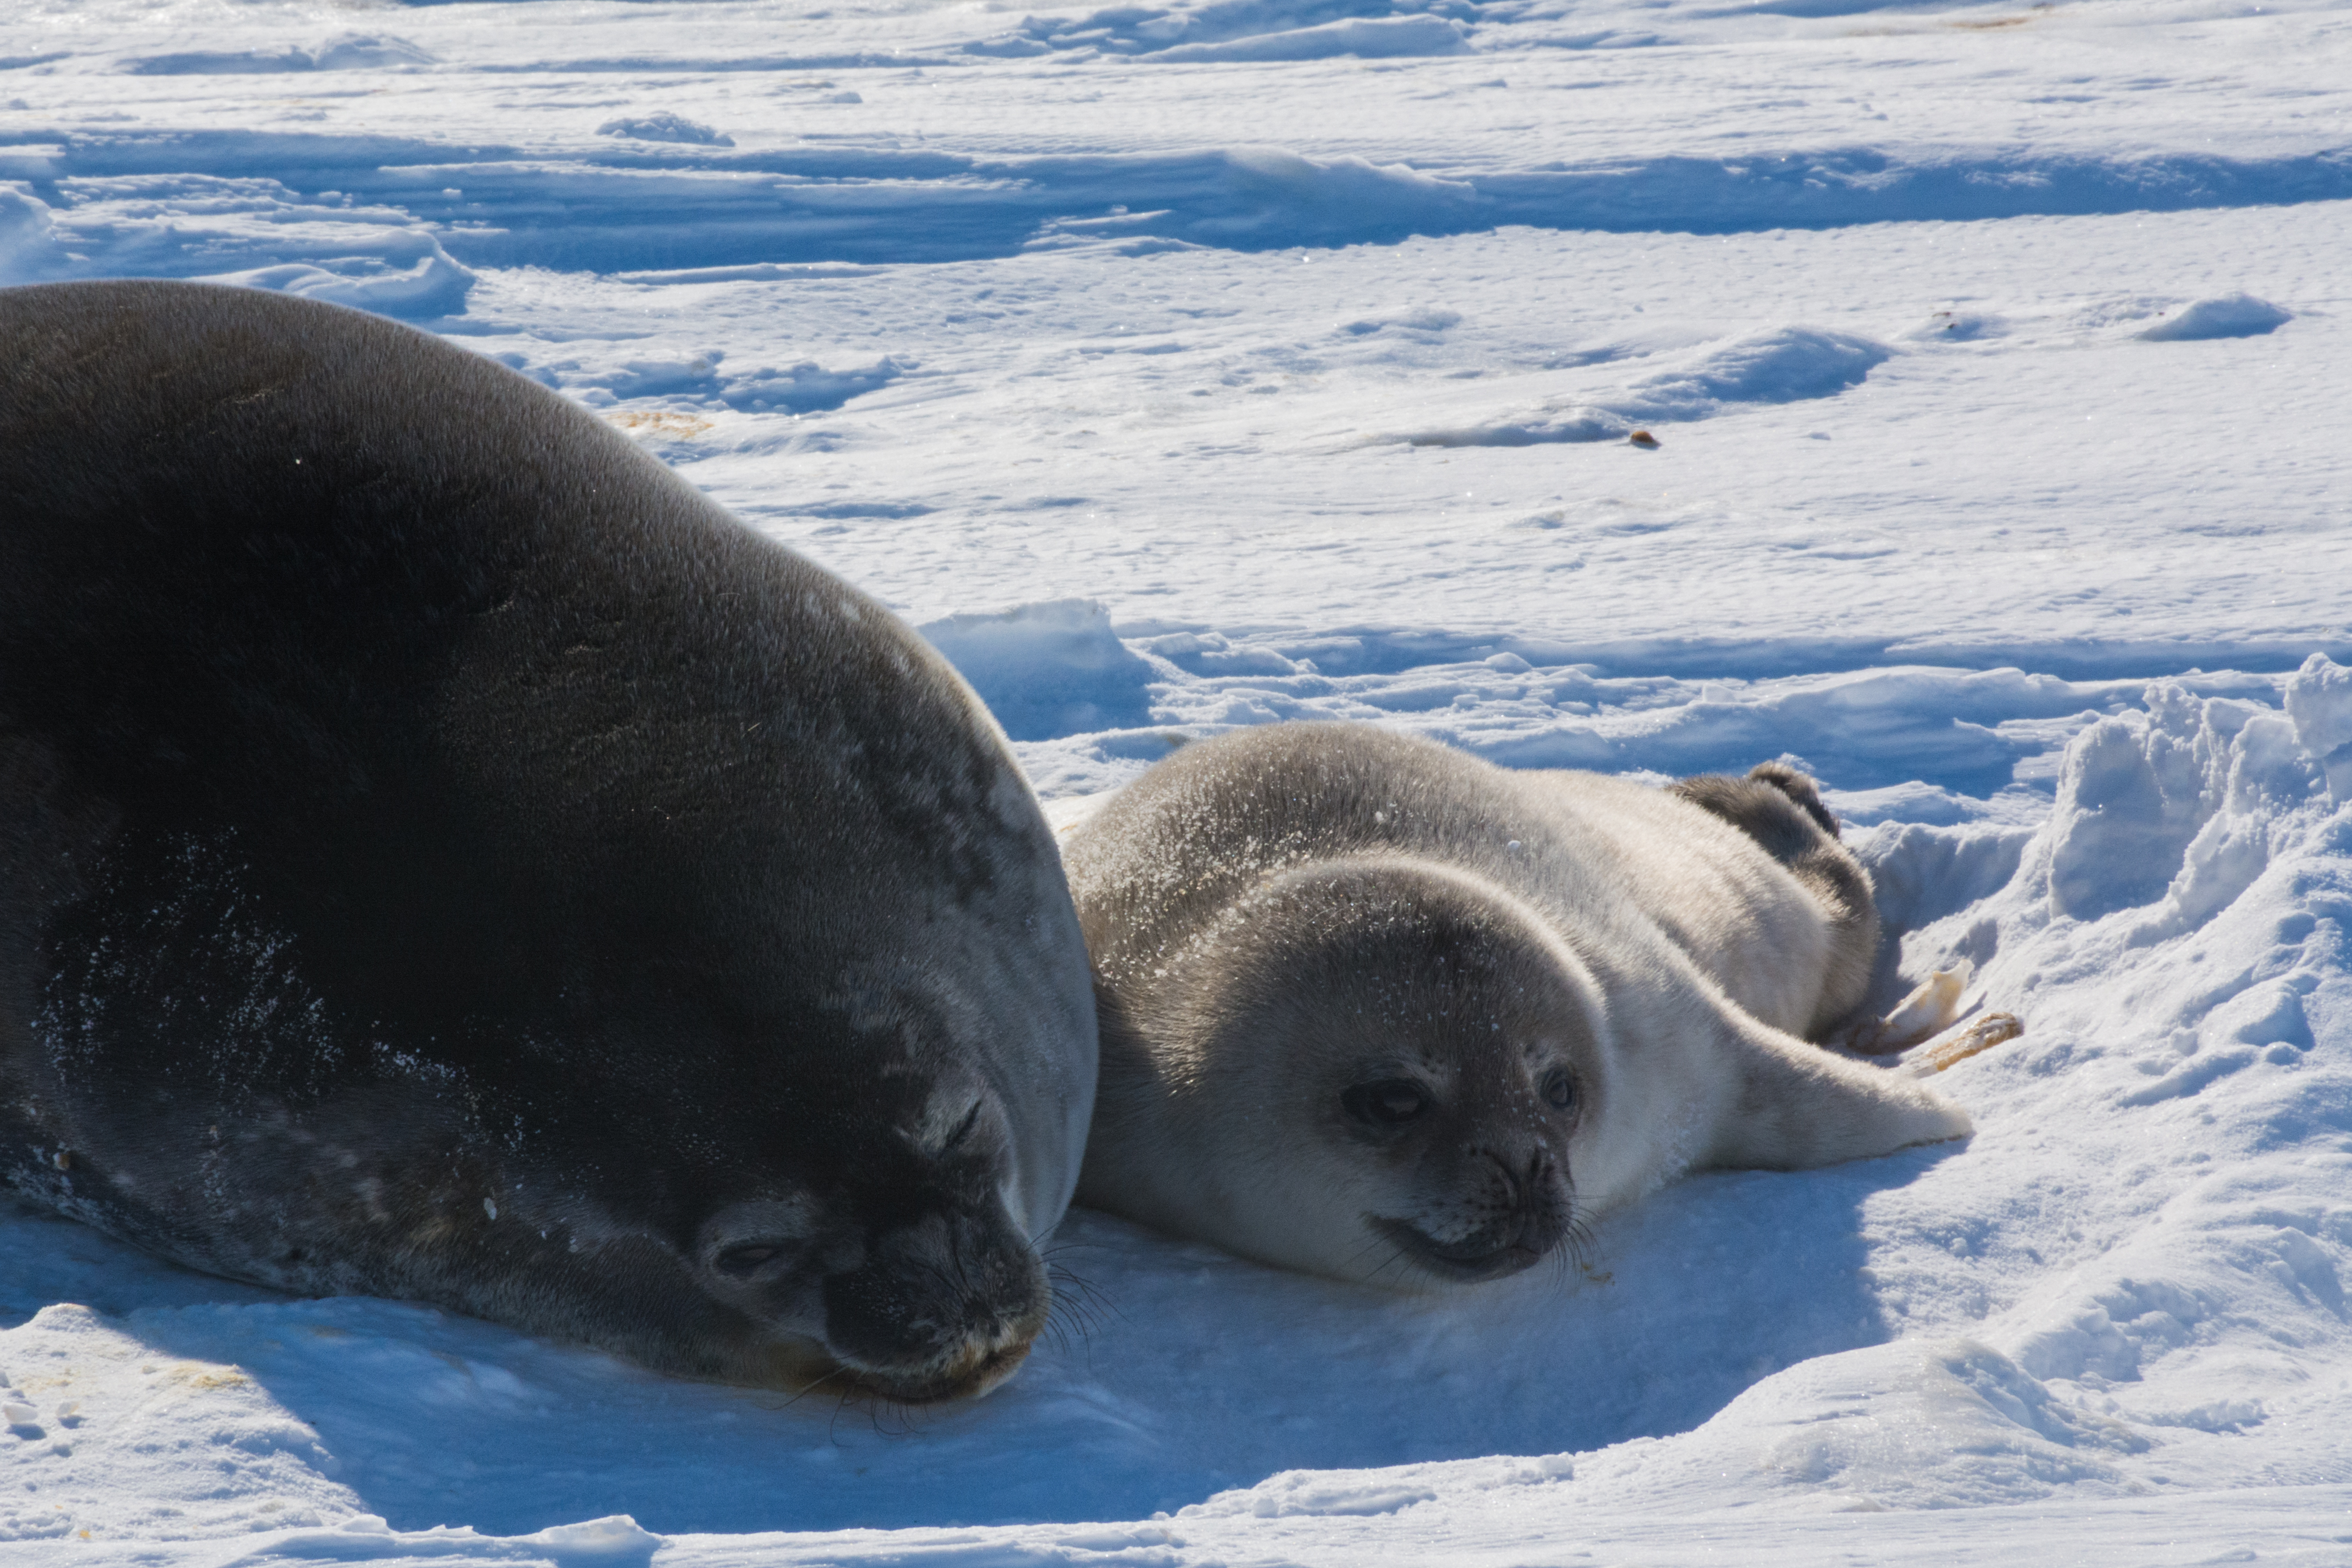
971, 1377
1487, 1255
974, 1371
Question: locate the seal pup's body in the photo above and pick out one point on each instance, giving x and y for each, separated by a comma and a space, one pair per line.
1377, 1010
443, 856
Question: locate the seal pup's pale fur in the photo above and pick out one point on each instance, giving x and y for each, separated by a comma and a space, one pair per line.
1378, 1009
443, 854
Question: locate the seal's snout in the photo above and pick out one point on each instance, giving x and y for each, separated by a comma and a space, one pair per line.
946, 1308
1508, 1215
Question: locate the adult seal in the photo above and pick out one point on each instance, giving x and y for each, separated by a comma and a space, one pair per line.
1377, 1010
444, 856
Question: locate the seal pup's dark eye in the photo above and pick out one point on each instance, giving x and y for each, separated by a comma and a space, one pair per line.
1559, 1089
1390, 1103
747, 1257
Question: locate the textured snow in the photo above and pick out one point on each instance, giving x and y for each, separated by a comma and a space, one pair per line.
1182, 366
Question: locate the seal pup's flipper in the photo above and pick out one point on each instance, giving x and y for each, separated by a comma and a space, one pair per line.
1933, 1006
1796, 1106
1956, 1044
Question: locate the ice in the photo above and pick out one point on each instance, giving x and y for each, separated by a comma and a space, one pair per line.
1993, 352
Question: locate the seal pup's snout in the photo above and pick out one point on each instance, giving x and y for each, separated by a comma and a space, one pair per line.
944, 1308
1509, 1213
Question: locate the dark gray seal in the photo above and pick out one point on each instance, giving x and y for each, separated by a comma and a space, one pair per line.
444, 856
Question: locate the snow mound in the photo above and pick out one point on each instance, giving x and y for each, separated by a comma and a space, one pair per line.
664, 126
2319, 701
1047, 670
188, 225
1368, 38
2228, 316
353, 51
431, 286
1786, 364
1243, 27
2177, 802
703, 381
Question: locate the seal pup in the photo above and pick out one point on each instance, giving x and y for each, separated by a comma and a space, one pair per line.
1377, 1010
443, 856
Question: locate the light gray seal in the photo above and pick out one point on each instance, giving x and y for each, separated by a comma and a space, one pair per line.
443, 856
1377, 1010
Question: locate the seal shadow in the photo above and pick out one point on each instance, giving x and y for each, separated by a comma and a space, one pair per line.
1180, 1371
1171, 1371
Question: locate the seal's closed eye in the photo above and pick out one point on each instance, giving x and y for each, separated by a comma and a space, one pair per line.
1390, 1103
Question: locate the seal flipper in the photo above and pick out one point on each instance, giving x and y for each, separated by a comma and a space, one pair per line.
1794, 1106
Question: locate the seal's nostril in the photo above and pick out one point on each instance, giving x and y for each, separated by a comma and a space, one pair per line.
1521, 1188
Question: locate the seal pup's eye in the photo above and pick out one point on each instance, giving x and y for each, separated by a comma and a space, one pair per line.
1390, 1103
747, 1257
1559, 1089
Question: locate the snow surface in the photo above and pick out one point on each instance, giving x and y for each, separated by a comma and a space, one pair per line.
1183, 365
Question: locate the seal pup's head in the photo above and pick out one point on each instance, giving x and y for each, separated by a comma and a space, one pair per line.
1373, 1069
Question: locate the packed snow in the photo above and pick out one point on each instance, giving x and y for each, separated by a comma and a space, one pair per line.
1180, 366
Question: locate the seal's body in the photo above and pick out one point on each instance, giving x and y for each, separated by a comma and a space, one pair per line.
443, 856
1369, 1004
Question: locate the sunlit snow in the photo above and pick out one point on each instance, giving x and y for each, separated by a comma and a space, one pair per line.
1179, 366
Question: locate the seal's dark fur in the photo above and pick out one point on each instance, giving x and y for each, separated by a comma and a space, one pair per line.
443, 854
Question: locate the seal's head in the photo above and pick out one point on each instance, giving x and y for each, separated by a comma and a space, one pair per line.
1373, 1068
905, 1275
859, 1213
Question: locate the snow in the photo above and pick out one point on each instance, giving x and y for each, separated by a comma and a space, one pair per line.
1182, 366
